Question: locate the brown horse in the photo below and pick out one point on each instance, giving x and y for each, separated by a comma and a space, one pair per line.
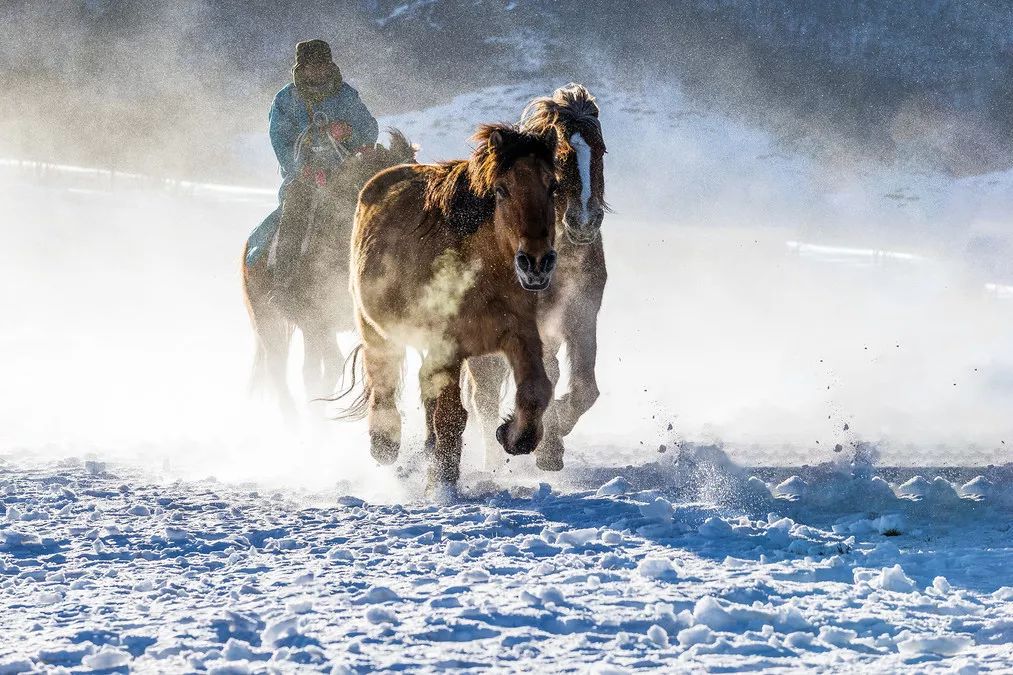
445, 258
318, 301
567, 312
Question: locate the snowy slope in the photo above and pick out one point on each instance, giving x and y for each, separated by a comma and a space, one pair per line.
684, 564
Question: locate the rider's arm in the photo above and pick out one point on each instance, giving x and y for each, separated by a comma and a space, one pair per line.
364, 128
284, 131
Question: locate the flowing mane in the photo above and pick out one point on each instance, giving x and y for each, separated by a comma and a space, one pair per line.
462, 192
571, 109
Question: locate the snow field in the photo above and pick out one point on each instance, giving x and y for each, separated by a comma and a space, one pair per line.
113, 568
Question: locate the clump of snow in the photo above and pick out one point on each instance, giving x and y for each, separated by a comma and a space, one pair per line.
658, 635
380, 615
978, 487
916, 487
941, 645
657, 568
611, 538
280, 630
660, 510
107, 658
940, 586
577, 538
300, 606
695, 635
888, 579
11, 665
715, 527
728, 616
792, 488
799, 640
455, 547
616, 486
890, 524
839, 637
375, 595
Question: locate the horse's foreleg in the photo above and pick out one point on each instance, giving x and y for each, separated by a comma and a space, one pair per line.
382, 364
429, 407
521, 434
486, 375
441, 393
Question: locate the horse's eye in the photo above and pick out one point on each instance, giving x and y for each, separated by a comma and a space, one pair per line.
553, 186
501, 192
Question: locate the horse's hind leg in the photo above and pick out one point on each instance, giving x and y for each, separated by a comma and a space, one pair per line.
441, 393
582, 347
549, 454
332, 363
486, 375
270, 363
382, 363
321, 362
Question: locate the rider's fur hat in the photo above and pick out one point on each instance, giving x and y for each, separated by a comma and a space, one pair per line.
312, 51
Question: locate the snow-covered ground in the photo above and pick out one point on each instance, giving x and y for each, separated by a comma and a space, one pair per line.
687, 563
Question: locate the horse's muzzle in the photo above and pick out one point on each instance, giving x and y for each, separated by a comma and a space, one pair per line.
534, 275
586, 232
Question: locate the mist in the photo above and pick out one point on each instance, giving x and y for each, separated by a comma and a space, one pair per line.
775, 284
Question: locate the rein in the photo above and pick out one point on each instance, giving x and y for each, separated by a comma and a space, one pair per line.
318, 127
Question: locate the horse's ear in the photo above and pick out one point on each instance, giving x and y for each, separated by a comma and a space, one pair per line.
496, 139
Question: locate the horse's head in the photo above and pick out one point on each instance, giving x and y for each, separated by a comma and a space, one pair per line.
572, 113
514, 169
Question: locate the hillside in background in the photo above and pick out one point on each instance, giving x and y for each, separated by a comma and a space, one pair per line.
167, 88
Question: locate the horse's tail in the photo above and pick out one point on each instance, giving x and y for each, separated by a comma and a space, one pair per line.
359, 406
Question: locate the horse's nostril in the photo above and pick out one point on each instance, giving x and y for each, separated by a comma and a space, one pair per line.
549, 262
524, 262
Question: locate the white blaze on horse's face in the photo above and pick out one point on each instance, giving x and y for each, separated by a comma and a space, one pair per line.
581, 221
583, 152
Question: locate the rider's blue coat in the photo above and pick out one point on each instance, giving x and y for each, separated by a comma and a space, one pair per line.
290, 117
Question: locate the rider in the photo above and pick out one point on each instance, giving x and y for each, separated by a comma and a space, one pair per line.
317, 97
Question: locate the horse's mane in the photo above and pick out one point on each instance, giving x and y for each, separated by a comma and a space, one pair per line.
400, 147
462, 191
570, 109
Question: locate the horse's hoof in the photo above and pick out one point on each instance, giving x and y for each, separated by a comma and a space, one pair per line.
525, 443
383, 449
441, 492
549, 456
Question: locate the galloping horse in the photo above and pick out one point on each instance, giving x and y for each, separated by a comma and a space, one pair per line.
317, 301
567, 312
446, 258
